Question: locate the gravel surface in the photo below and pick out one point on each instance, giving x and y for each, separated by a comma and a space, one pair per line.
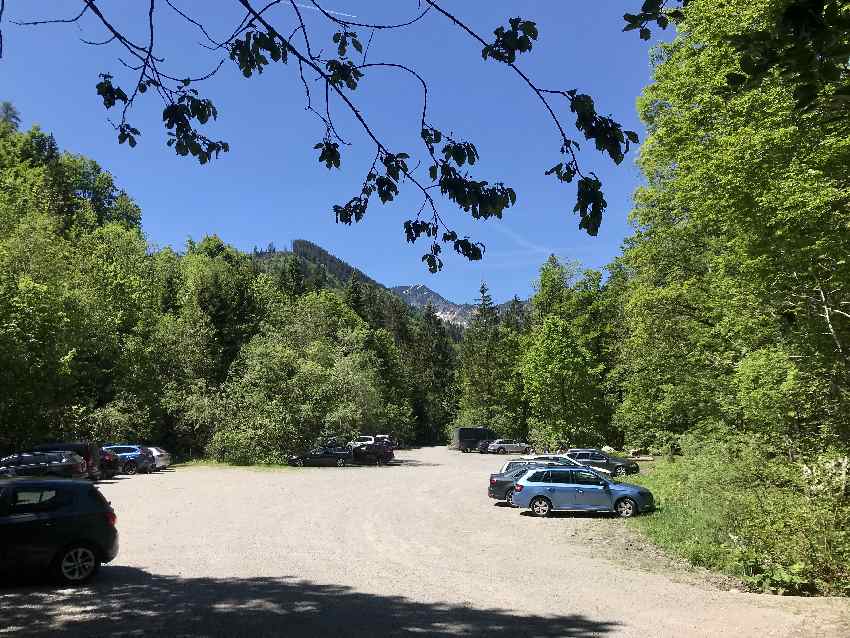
415, 548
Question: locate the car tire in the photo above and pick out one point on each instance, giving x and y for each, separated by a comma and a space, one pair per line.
509, 497
501, 450
540, 506
625, 508
299, 463
340, 462
620, 470
130, 468
528, 450
76, 564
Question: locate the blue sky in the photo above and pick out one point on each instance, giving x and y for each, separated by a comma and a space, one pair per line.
270, 186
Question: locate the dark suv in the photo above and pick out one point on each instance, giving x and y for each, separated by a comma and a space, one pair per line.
65, 526
597, 458
87, 449
58, 464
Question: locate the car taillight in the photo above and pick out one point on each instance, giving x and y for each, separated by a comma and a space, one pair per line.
492, 481
517, 488
111, 518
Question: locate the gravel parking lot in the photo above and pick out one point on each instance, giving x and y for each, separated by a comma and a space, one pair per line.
413, 548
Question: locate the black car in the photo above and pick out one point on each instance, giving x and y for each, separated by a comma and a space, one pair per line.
64, 526
483, 447
597, 458
110, 464
372, 454
87, 449
56, 464
323, 456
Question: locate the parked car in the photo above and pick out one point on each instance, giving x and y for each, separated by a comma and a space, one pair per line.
560, 458
518, 463
161, 458
484, 446
467, 439
386, 439
87, 449
65, 526
372, 454
361, 441
546, 490
503, 446
56, 464
502, 483
322, 456
134, 458
601, 461
110, 464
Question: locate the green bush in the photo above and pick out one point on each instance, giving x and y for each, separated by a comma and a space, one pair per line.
780, 526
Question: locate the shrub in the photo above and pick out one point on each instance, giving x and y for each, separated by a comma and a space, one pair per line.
780, 526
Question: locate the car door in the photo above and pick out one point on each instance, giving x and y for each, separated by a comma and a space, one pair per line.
591, 492
29, 530
561, 489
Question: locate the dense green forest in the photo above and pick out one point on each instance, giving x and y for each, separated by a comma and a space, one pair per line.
243, 357
719, 338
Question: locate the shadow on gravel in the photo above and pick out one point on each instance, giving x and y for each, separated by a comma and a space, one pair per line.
130, 601
412, 463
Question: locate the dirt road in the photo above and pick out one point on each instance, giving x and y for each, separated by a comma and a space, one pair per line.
411, 549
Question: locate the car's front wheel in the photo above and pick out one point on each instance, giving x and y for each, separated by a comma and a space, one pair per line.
620, 470
76, 564
625, 508
528, 450
130, 467
299, 463
340, 462
541, 506
501, 450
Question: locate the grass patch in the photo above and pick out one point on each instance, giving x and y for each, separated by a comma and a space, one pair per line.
752, 518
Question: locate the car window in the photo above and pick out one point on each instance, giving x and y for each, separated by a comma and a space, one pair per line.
596, 456
562, 477
586, 478
538, 477
30, 500
582, 456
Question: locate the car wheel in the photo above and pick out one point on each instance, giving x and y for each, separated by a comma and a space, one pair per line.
528, 450
130, 468
620, 470
340, 462
501, 450
509, 497
625, 508
299, 463
541, 506
76, 564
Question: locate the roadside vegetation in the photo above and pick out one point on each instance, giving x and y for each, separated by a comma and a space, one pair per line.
719, 338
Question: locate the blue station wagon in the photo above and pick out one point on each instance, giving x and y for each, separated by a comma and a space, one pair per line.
579, 489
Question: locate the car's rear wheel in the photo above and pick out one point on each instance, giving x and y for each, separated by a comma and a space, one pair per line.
130, 467
625, 508
528, 450
620, 470
76, 564
509, 497
541, 506
501, 450
340, 462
